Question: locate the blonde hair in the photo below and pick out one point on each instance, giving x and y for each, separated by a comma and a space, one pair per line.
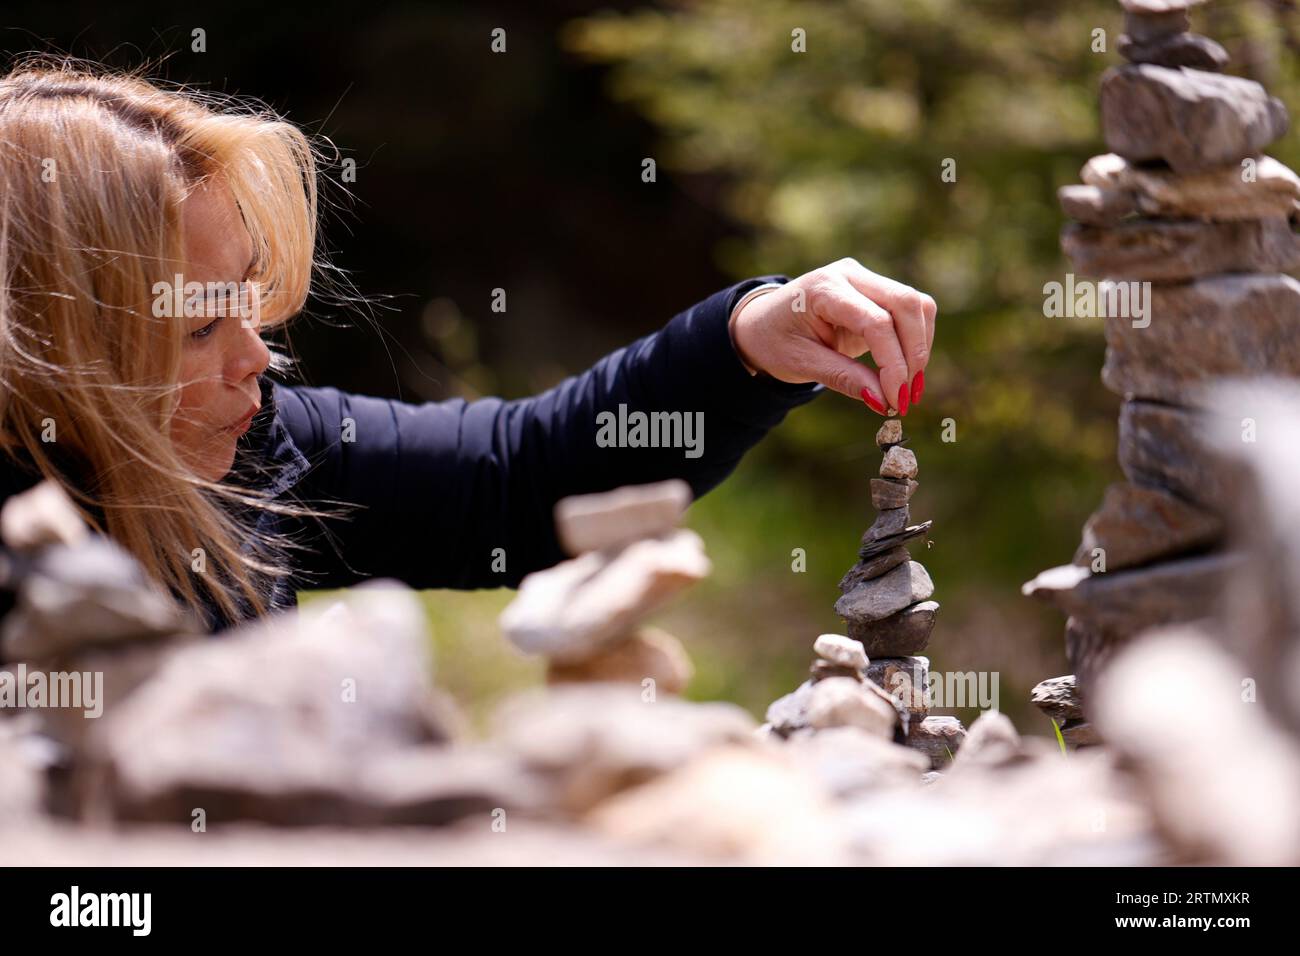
93, 168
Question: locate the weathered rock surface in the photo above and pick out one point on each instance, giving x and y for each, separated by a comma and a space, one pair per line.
1191, 119
1135, 526
889, 434
731, 803
614, 518
1167, 251
1161, 446
591, 741
907, 679
873, 600
843, 702
1184, 49
903, 634
649, 654
1133, 600
1217, 327
939, 738
870, 549
887, 493
873, 567
888, 524
1221, 194
1094, 205
572, 610
841, 650
1058, 698
899, 462
278, 722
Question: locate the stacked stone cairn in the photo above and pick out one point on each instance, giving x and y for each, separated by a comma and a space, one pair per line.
629, 557
1188, 202
885, 602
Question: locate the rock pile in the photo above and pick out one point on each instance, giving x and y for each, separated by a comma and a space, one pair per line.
628, 558
1187, 206
874, 677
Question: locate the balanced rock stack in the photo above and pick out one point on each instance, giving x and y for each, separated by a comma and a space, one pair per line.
885, 600
629, 557
886, 604
1187, 202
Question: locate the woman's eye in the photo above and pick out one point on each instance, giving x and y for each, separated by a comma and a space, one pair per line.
204, 332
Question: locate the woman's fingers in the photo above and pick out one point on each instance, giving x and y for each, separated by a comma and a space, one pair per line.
850, 377
913, 316
840, 303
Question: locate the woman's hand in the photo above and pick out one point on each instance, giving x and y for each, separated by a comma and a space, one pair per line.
813, 328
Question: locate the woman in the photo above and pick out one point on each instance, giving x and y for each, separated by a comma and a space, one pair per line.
149, 238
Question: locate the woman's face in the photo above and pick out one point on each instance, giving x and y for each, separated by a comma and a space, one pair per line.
223, 353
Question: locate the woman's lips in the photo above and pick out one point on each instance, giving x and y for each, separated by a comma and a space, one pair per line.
244, 423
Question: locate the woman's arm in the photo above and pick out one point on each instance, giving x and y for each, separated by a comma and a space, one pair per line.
445, 484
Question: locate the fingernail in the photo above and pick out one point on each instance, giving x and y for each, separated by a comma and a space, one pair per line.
875, 404
918, 386
902, 399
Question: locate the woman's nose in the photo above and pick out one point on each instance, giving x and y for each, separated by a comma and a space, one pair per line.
251, 355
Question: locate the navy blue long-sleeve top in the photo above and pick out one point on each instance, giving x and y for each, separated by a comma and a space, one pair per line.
440, 486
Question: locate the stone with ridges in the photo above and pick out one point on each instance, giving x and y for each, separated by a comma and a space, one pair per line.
1191, 119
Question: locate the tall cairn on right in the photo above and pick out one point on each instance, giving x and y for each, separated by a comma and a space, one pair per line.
1187, 207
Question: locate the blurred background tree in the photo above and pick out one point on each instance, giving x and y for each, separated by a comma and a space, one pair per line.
522, 171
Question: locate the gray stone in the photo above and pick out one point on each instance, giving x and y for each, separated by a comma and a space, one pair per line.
871, 549
840, 650
844, 702
939, 738
889, 434
575, 609
1184, 49
1058, 698
1080, 733
1145, 27
890, 493
886, 595
1219, 327
612, 519
589, 741
1161, 251
888, 524
1221, 194
850, 761
906, 679
790, 713
1089, 649
1131, 601
92, 594
873, 567
899, 635
1094, 205
1135, 526
992, 741
291, 713
899, 462
820, 670
1160, 446
1191, 119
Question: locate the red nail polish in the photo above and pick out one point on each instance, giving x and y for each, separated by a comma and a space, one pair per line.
902, 399
918, 386
872, 402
